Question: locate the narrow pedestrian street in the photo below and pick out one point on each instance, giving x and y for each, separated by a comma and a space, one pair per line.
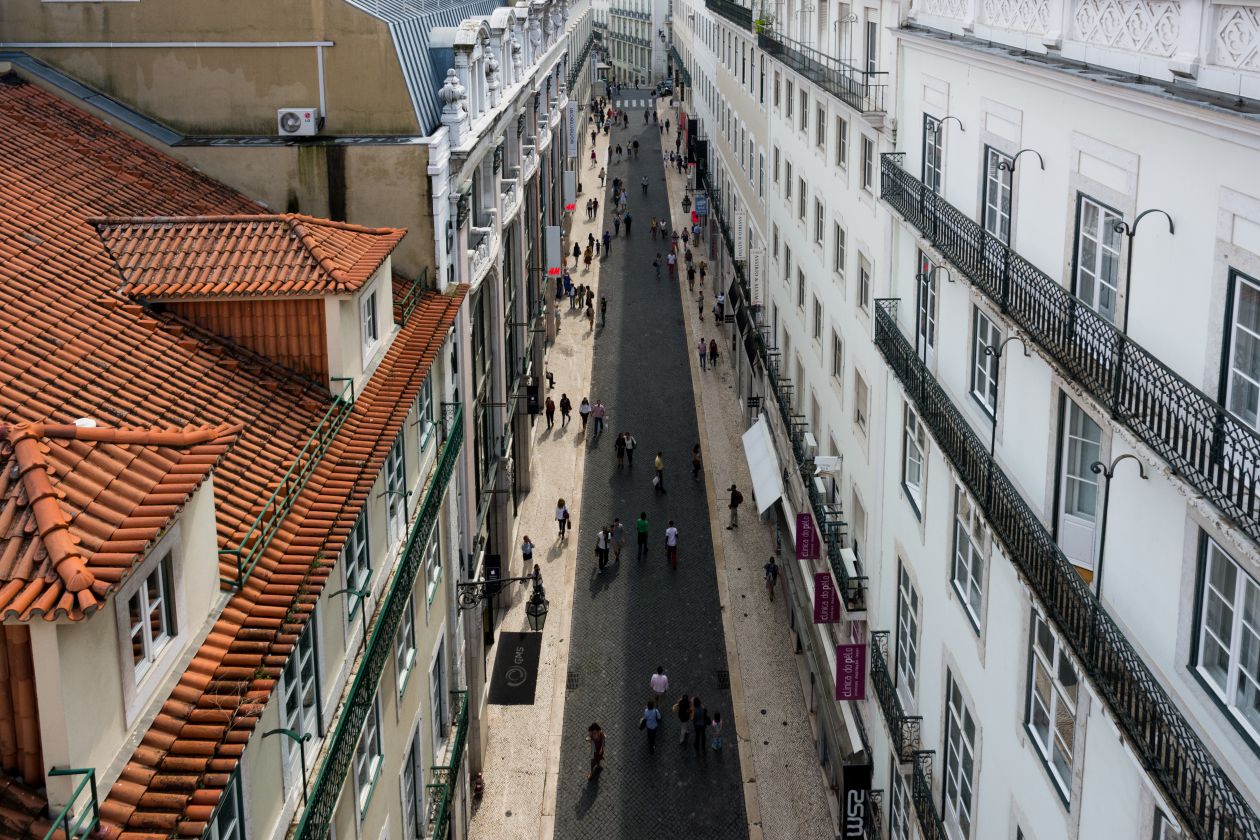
641, 614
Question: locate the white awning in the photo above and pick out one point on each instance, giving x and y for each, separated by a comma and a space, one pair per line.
763, 464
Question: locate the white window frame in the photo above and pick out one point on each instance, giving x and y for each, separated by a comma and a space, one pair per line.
805, 111
800, 199
820, 127
368, 757
864, 284
1053, 695
837, 358
411, 787
958, 767
228, 821
425, 422
933, 154
405, 646
357, 561
913, 458
369, 322
439, 705
152, 645
139, 685
296, 686
1242, 388
999, 176
900, 809
818, 320
984, 366
1094, 278
925, 323
868, 164
969, 566
908, 617
861, 396
396, 490
840, 254
1226, 596
432, 567
820, 228
787, 182
800, 290
842, 143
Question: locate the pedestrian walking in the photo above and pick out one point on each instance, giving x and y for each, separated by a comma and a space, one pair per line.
595, 735
590, 296
652, 228
598, 413
651, 722
584, 411
607, 243
672, 261
527, 551
702, 351
550, 408
659, 683
616, 225
691, 276
601, 178
684, 237
699, 722
563, 521
641, 529
618, 535
721, 305
658, 481
592, 157
715, 732
713, 353
631, 443
695, 462
601, 548
566, 406
620, 446
700, 304
683, 709
671, 544
603, 311
590, 317
772, 576
629, 220
635, 145
656, 265
737, 499
644, 184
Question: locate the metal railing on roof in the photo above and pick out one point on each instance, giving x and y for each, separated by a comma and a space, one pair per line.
862, 90
739, 15
1207, 446
88, 819
1168, 747
249, 549
411, 300
446, 776
338, 756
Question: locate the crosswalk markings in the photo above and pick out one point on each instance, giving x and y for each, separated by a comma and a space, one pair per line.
630, 103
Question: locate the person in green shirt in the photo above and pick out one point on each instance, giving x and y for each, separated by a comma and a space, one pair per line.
641, 526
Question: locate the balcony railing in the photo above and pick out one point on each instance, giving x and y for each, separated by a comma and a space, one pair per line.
576, 66
1206, 798
739, 15
411, 300
1207, 446
68, 825
445, 776
680, 66
339, 754
902, 728
863, 90
249, 550
930, 823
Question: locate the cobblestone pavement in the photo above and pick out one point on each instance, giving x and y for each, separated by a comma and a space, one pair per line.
639, 614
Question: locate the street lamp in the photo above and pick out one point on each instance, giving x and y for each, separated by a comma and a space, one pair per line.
686, 205
301, 742
470, 593
362, 595
1107, 472
1009, 165
996, 352
1130, 230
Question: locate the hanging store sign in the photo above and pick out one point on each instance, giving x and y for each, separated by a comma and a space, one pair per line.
806, 537
571, 128
851, 672
826, 599
551, 245
855, 799
757, 274
740, 234
569, 189
702, 204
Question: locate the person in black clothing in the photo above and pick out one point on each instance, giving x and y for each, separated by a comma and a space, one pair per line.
565, 407
700, 723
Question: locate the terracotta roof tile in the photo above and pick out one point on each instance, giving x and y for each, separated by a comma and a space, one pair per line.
244, 255
71, 517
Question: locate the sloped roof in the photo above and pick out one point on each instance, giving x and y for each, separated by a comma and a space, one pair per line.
243, 255
80, 505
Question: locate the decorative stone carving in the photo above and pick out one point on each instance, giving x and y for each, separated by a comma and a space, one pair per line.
493, 80
462, 205
534, 31
946, 8
1238, 37
498, 158
1148, 26
454, 112
1018, 15
520, 125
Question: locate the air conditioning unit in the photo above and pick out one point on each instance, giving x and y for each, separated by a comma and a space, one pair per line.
298, 122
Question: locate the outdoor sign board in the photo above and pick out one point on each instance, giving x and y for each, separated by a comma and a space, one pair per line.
851, 672
826, 599
551, 243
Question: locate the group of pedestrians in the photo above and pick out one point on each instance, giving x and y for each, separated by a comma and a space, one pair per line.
586, 411
694, 719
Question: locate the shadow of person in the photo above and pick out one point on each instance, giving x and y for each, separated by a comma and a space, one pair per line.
589, 794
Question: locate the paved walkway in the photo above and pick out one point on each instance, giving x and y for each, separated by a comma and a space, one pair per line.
639, 614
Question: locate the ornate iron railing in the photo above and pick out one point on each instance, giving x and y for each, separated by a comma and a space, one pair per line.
88, 819
874, 824
1208, 447
902, 728
930, 823
411, 300
1205, 797
322, 801
575, 67
251, 546
680, 65
862, 90
739, 15
446, 775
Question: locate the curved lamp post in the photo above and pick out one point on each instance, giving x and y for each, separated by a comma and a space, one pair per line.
362, 595
1107, 471
1130, 230
995, 350
301, 742
1009, 165
470, 593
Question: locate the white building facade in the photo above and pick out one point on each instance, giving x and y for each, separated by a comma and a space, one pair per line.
953, 271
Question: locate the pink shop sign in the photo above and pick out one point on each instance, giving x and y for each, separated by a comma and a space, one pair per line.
806, 537
851, 672
826, 599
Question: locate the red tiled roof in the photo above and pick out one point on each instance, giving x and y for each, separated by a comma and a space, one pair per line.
80, 505
240, 255
71, 346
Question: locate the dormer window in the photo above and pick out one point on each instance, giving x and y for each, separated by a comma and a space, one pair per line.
152, 621
371, 327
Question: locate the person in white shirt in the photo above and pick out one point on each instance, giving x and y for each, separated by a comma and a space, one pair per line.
601, 547
659, 683
671, 544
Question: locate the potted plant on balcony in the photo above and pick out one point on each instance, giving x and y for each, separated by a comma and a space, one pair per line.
763, 24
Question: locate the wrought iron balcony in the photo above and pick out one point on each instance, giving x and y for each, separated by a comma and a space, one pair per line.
1189, 776
446, 776
577, 65
407, 305
339, 753
1207, 446
861, 89
739, 15
680, 66
902, 729
930, 823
